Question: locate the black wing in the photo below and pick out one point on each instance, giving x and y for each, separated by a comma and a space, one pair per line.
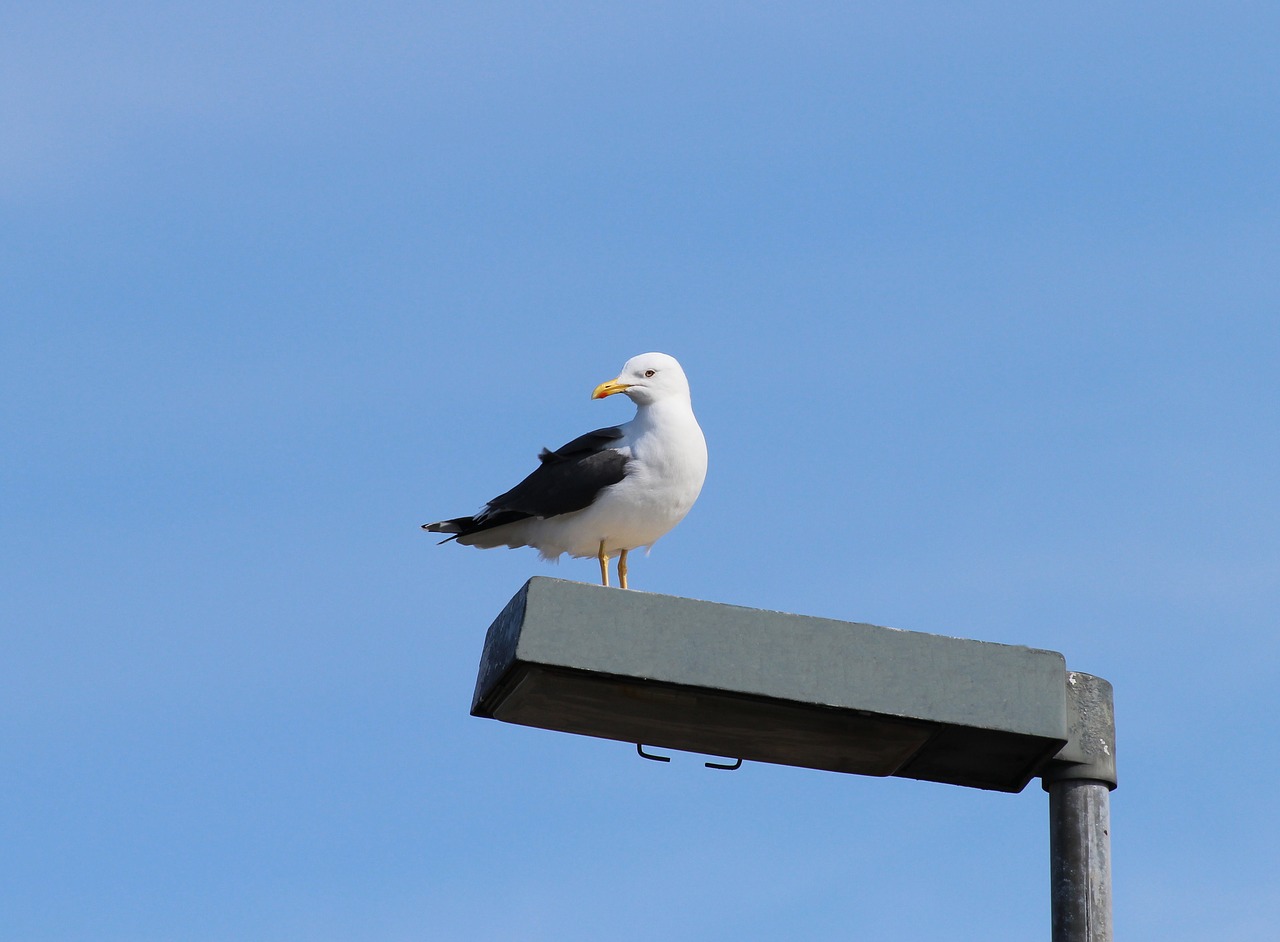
565, 480
584, 445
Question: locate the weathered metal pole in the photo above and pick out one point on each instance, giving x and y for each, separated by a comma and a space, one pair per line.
1079, 782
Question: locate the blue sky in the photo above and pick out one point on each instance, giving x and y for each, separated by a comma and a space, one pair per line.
980, 309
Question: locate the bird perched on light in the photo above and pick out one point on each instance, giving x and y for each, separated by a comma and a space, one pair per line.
609, 491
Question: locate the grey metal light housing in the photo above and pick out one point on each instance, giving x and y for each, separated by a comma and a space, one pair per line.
771, 687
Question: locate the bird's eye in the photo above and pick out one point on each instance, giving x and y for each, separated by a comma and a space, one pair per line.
648, 373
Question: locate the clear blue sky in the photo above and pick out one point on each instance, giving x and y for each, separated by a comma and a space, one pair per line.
981, 308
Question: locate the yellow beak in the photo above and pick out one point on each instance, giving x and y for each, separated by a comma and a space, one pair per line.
609, 388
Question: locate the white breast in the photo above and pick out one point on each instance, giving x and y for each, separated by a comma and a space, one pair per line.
668, 464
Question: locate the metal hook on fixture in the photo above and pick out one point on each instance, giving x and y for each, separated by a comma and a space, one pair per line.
727, 766
647, 755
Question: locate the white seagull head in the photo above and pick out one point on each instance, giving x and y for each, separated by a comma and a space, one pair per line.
646, 379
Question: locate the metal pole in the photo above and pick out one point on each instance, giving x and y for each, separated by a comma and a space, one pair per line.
1079, 783
1080, 860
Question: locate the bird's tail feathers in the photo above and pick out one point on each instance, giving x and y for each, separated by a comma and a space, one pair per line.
456, 527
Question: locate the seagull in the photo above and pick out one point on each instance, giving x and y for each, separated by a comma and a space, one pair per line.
609, 491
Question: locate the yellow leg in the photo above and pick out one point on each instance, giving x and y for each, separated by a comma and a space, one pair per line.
622, 568
604, 565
